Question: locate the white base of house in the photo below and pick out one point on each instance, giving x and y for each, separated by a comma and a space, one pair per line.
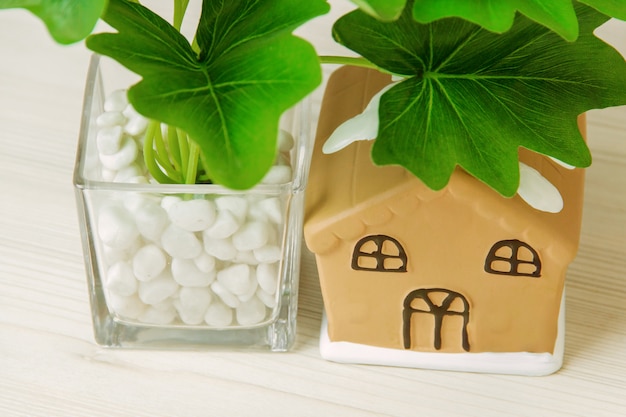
513, 363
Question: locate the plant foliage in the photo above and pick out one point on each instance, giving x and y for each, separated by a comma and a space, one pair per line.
230, 95
472, 98
68, 21
497, 15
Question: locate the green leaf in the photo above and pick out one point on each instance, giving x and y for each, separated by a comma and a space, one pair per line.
472, 97
498, 15
68, 21
230, 96
385, 10
613, 8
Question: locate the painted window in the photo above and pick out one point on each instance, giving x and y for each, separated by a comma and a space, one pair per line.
513, 257
379, 253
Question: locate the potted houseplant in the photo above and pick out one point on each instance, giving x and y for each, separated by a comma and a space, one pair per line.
449, 250
190, 180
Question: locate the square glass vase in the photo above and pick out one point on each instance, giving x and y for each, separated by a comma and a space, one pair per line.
185, 266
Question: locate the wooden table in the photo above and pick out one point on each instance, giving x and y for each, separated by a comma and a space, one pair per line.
50, 365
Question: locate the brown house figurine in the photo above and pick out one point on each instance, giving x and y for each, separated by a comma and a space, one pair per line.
460, 279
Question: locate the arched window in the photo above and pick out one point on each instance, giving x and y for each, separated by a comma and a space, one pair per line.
513, 257
379, 253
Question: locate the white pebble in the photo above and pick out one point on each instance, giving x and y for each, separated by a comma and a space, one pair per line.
167, 304
128, 174
226, 296
257, 213
136, 125
278, 174
158, 316
222, 249
285, 141
268, 254
151, 220
109, 140
251, 290
129, 111
134, 201
218, 315
236, 278
236, 205
124, 157
113, 255
192, 215
126, 307
185, 272
168, 201
205, 262
116, 227
273, 208
108, 175
158, 289
141, 179
267, 275
268, 299
251, 312
192, 304
224, 226
148, 262
250, 236
116, 101
246, 257
110, 118
120, 279
180, 243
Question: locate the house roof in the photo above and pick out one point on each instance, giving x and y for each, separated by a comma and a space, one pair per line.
347, 192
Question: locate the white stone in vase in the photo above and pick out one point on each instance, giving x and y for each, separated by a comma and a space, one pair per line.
180, 243
267, 276
237, 278
250, 313
120, 279
158, 289
252, 235
149, 262
187, 273
192, 215
116, 227
218, 315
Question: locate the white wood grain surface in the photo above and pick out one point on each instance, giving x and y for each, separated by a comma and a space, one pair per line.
50, 365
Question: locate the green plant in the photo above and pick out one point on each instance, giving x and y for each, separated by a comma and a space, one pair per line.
479, 80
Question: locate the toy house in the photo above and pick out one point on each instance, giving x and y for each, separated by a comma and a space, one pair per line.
438, 279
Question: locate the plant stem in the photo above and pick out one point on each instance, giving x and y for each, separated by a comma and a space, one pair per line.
192, 167
183, 145
162, 153
180, 7
345, 60
150, 157
172, 142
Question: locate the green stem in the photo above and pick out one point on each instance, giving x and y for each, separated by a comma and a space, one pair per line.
192, 167
172, 143
180, 7
150, 157
345, 60
162, 153
183, 145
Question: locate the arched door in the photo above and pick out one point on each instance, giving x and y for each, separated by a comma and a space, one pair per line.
423, 301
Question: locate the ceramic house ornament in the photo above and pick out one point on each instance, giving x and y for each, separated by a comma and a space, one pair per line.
458, 279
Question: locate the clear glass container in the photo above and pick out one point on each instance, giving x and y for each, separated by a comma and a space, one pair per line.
160, 279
